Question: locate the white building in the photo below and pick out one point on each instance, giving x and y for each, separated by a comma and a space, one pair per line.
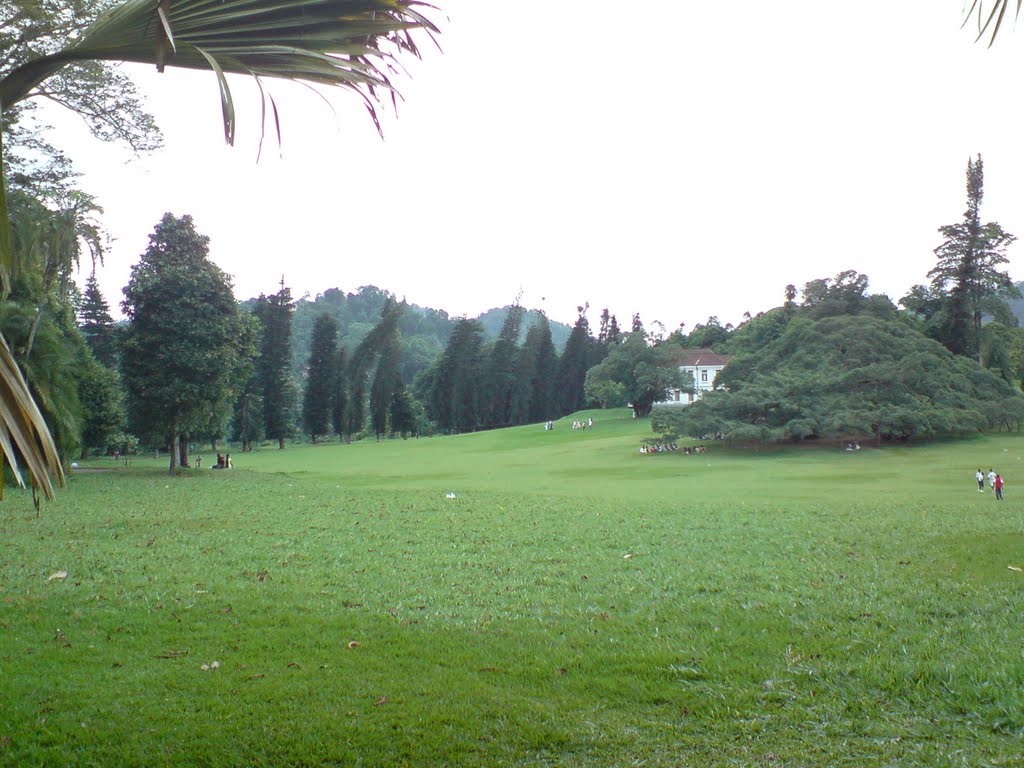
703, 366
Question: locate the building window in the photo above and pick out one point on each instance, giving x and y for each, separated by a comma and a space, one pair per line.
703, 375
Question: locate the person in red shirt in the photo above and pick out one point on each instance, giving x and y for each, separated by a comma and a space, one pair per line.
998, 485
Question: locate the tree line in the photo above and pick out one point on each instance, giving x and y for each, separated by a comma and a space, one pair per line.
194, 365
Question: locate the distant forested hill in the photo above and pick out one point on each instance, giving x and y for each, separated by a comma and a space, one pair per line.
424, 331
492, 320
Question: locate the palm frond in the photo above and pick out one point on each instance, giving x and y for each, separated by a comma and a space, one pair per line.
351, 44
993, 19
23, 431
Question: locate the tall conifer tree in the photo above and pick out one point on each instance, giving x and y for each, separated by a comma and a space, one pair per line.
543, 398
967, 273
340, 396
455, 399
321, 378
499, 378
96, 324
573, 365
274, 365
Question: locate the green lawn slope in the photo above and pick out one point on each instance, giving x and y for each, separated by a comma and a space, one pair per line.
574, 604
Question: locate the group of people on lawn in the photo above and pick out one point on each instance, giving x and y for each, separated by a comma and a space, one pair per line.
666, 447
223, 462
995, 482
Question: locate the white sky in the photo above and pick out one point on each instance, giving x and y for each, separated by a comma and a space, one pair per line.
679, 160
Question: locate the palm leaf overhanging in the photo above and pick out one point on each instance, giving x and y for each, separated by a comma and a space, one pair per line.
993, 19
352, 44
346, 43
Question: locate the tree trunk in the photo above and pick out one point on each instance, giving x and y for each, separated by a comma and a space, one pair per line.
174, 450
183, 450
213, 444
280, 443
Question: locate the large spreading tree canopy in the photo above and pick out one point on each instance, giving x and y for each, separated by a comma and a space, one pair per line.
846, 376
186, 341
643, 373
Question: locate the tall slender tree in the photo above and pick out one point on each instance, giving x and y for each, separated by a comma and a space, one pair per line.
455, 395
573, 365
321, 378
364, 366
543, 393
340, 396
96, 323
274, 365
967, 273
499, 376
387, 385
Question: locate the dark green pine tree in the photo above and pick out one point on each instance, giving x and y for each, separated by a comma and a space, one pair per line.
573, 365
363, 366
543, 397
387, 383
527, 357
608, 334
321, 378
455, 399
499, 376
96, 324
274, 365
967, 273
340, 396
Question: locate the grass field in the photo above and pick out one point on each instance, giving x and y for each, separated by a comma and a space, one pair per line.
574, 604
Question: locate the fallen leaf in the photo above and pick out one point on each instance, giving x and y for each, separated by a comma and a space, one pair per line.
354, 644
294, 664
256, 676
61, 575
381, 700
1015, 568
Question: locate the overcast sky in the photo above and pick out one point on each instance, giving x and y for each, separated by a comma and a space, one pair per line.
677, 159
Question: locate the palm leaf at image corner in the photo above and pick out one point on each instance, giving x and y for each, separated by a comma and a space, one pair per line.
23, 431
351, 44
992, 19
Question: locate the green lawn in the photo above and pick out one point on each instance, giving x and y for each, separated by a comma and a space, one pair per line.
575, 604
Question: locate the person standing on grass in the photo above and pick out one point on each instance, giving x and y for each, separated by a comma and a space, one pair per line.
998, 485
991, 478
980, 477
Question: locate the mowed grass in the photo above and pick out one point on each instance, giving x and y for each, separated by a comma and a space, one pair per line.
575, 604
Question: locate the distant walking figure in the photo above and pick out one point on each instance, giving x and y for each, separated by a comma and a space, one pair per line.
998, 485
980, 477
991, 478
